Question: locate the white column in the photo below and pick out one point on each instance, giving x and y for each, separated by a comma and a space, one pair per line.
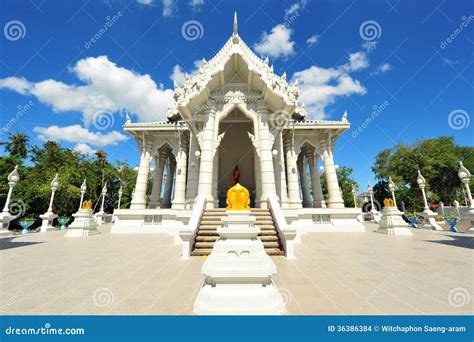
294, 198
279, 166
318, 198
304, 182
193, 171
155, 197
265, 152
139, 197
179, 199
215, 177
169, 182
258, 179
207, 155
332, 184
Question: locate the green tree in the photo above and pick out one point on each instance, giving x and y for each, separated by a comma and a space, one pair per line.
344, 177
17, 146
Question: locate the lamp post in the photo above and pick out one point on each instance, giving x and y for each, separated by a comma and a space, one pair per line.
392, 187
427, 213
13, 178
5, 216
49, 216
104, 192
83, 191
371, 194
421, 181
54, 187
465, 176
354, 195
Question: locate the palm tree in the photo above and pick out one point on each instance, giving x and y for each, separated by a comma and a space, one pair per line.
102, 161
18, 145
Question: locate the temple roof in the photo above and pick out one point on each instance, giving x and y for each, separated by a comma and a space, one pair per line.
235, 59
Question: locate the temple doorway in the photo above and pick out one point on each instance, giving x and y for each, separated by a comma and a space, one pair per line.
235, 149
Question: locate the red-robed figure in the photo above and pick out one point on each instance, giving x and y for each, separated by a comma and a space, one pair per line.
236, 175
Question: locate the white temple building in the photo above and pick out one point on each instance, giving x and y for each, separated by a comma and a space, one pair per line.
235, 111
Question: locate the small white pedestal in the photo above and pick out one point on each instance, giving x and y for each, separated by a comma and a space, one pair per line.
84, 224
430, 217
392, 223
239, 272
5, 219
100, 217
47, 223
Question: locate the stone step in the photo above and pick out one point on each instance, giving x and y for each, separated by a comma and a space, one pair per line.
214, 227
213, 238
214, 233
210, 244
207, 251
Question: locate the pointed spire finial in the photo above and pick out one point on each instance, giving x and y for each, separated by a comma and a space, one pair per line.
236, 24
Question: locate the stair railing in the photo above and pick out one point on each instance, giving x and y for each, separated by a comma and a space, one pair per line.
286, 233
188, 233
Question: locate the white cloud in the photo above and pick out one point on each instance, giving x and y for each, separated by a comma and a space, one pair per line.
179, 75
384, 67
320, 87
18, 84
78, 134
168, 7
312, 40
107, 87
295, 9
145, 2
196, 3
84, 149
276, 44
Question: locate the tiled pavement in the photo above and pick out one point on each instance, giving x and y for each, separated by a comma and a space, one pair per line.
340, 273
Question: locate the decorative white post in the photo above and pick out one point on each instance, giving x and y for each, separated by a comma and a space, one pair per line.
465, 176
100, 216
83, 191
392, 187
354, 195
427, 213
120, 193
370, 190
49, 216
5, 216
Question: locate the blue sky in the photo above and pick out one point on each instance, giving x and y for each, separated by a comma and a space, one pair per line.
405, 68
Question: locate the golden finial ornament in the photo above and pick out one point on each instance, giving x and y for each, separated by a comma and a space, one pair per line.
238, 198
87, 204
388, 203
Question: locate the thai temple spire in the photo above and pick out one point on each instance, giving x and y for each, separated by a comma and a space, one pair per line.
236, 24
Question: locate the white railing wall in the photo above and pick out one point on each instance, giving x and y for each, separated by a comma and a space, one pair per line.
286, 233
188, 234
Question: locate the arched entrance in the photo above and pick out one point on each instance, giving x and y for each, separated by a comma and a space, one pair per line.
236, 149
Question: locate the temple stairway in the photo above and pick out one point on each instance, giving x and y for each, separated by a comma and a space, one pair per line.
211, 220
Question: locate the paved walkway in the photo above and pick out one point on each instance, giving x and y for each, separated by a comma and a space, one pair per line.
371, 273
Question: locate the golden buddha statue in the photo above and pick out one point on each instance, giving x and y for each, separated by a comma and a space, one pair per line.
87, 204
238, 198
388, 203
